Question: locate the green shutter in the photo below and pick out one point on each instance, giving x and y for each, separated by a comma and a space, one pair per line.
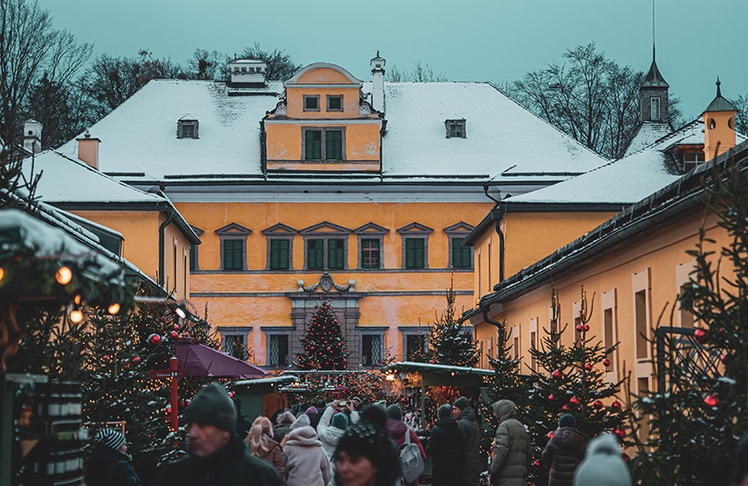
313, 145
460, 254
414, 253
336, 254
193, 257
233, 254
333, 145
315, 256
279, 254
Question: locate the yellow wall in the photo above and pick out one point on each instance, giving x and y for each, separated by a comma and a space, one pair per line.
393, 296
284, 143
528, 237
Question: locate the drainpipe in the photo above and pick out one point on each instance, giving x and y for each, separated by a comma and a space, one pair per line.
497, 215
499, 329
161, 230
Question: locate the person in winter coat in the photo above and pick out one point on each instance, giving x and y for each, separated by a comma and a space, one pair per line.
217, 455
511, 447
304, 458
262, 444
397, 429
564, 452
109, 463
331, 427
445, 442
366, 455
467, 420
603, 464
283, 425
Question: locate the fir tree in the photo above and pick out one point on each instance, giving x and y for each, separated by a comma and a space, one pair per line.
324, 347
699, 410
448, 341
570, 379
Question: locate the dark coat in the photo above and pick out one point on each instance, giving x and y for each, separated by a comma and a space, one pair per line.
107, 467
445, 448
468, 423
511, 449
232, 465
564, 452
397, 430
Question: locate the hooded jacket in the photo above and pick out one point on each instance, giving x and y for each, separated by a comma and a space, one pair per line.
603, 464
328, 435
304, 458
564, 452
230, 466
511, 447
467, 421
445, 445
109, 467
397, 430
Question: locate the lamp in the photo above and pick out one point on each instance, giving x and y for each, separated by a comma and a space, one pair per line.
76, 315
114, 308
64, 275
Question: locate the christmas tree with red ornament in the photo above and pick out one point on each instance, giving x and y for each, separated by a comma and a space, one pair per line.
324, 346
570, 377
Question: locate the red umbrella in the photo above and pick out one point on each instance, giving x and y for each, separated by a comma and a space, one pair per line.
198, 359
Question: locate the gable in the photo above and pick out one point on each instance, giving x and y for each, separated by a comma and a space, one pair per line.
279, 229
325, 228
233, 229
323, 73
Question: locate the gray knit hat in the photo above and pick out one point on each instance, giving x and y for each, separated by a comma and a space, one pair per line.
444, 411
110, 438
462, 403
212, 406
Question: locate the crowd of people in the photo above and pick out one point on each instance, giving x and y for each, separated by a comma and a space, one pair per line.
344, 443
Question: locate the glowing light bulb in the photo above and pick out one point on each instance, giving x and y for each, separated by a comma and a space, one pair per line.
64, 275
76, 316
113, 309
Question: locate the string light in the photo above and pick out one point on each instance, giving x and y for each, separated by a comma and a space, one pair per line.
75, 316
114, 308
64, 275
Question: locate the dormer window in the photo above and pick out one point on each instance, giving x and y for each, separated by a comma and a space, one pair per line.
456, 127
311, 103
187, 127
334, 102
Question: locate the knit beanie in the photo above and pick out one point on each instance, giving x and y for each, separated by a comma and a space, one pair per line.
311, 409
444, 411
603, 464
340, 421
212, 406
462, 403
285, 418
368, 438
567, 420
301, 422
110, 438
381, 404
394, 412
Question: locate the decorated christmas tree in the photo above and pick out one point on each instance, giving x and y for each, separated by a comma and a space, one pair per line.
449, 342
700, 409
571, 379
324, 347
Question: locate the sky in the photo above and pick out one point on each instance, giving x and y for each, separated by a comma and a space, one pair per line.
469, 40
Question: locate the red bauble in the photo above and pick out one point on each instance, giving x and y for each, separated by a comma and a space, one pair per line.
536, 463
574, 401
551, 397
105, 357
176, 327
556, 374
598, 404
586, 327
616, 405
174, 334
136, 359
565, 408
712, 400
588, 367
620, 433
550, 434
700, 335
231, 394
579, 327
606, 362
154, 339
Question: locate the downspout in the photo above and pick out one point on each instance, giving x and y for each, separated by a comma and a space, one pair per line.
161, 231
499, 329
497, 215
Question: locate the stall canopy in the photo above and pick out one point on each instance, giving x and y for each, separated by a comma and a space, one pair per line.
198, 359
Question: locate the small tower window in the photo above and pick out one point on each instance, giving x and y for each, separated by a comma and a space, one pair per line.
187, 128
655, 109
456, 128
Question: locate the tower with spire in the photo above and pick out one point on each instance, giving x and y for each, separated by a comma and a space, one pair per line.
653, 96
719, 125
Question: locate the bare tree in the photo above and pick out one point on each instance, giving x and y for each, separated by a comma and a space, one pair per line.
589, 97
207, 65
741, 119
30, 50
420, 73
279, 64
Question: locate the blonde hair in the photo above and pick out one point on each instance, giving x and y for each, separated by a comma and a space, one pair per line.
258, 436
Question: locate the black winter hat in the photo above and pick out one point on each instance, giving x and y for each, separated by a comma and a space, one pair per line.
462, 403
368, 438
394, 412
211, 405
567, 420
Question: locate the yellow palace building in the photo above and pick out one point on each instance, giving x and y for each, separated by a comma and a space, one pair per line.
326, 186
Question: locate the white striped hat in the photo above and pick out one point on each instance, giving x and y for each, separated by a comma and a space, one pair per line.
110, 438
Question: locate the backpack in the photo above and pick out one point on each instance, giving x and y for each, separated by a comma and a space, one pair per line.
411, 459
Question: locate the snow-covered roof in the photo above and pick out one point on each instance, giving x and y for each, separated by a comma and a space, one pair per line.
139, 139
646, 135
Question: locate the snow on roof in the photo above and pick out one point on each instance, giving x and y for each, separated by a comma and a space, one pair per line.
624, 181
140, 135
648, 133
67, 180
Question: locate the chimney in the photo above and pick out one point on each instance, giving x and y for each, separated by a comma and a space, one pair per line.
719, 126
377, 83
88, 149
32, 136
